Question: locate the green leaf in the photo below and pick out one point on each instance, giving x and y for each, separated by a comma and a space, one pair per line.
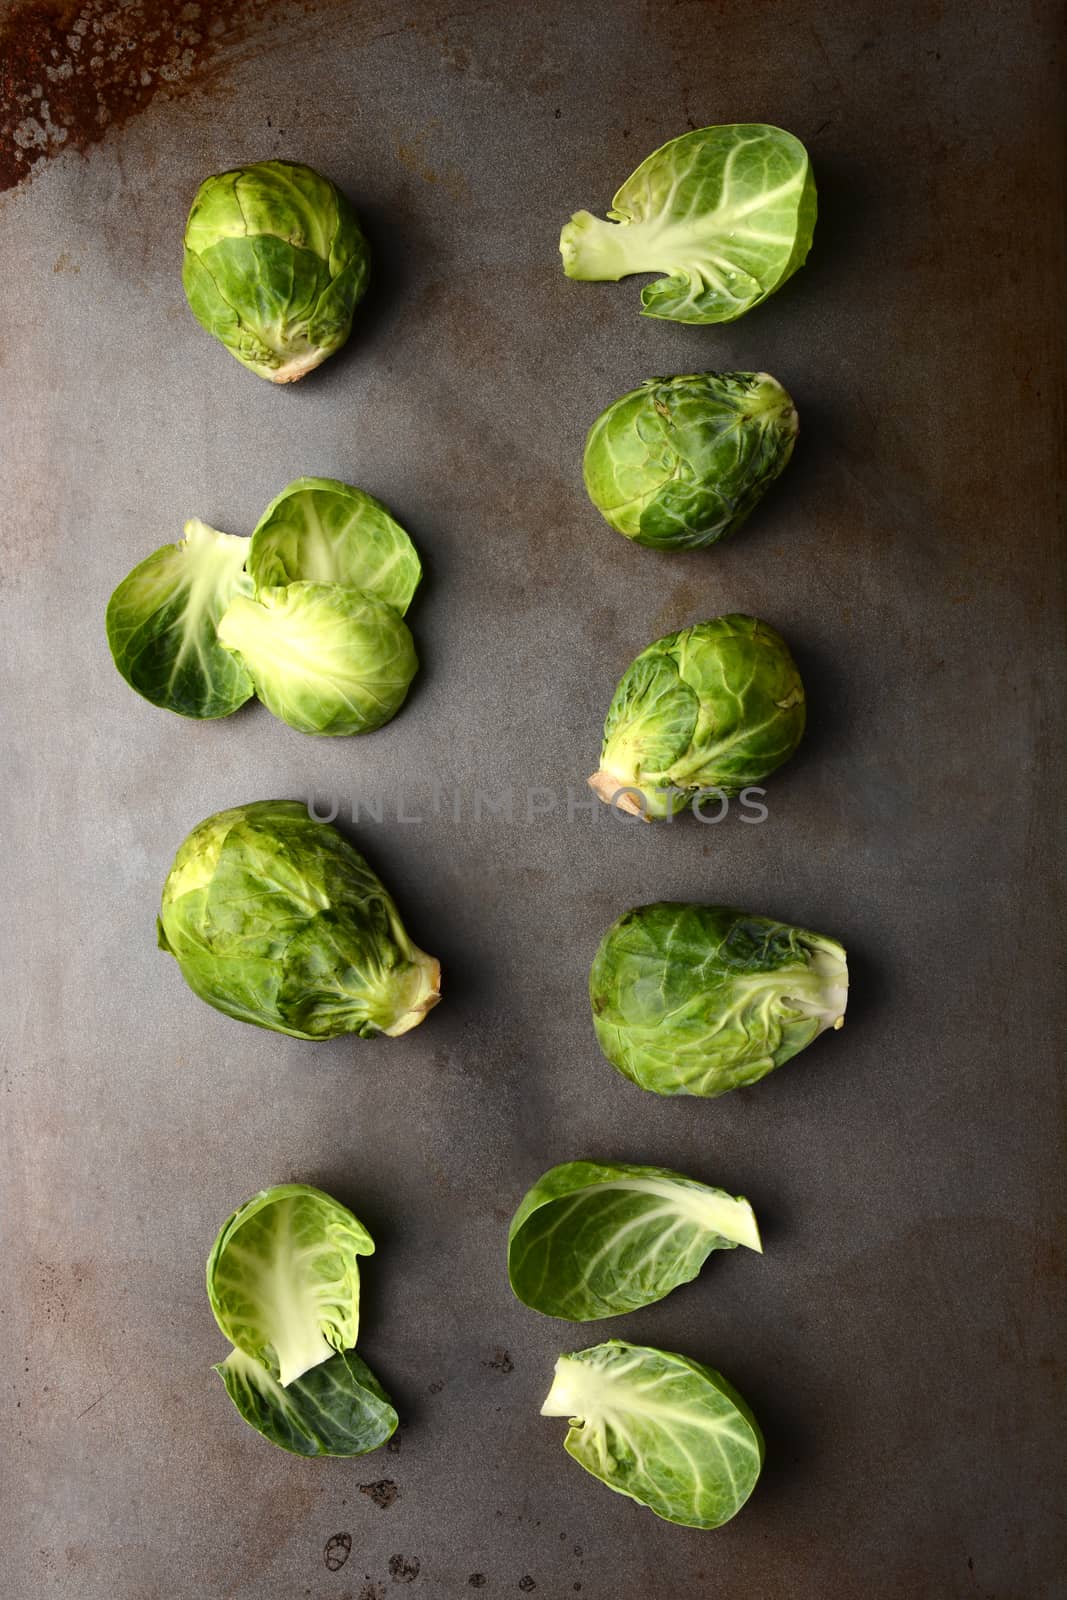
727, 213
323, 531
690, 999
324, 658
283, 1278
162, 620
594, 1240
335, 1409
666, 1431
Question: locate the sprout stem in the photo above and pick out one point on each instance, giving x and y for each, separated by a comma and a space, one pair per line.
427, 992
614, 791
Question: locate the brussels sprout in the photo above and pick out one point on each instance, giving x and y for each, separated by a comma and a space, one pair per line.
717, 706
336, 1409
702, 999
324, 531
593, 1240
283, 1278
276, 920
324, 658
680, 462
161, 623
727, 213
666, 1431
275, 264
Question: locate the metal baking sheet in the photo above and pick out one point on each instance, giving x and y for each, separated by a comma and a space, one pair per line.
897, 1340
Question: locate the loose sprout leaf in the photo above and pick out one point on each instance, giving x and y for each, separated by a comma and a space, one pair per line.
324, 531
594, 1240
690, 999
727, 213
162, 619
325, 658
337, 1408
717, 706
681, 462
666, 1431
276, 920
283, 1278
275, 264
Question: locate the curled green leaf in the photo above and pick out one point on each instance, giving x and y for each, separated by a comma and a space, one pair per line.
668, 1432
320, 530
162, 621
594, 1239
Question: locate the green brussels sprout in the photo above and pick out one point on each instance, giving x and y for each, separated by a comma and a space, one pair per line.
275, 264
324, 658
668, 1432
726, 212
717, 706
161, 623
324, 531
283, 1283
276, 920
680, 462
703, 999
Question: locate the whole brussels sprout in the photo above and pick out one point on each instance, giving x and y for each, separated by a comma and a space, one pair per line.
276, 920
717, 706
680, 462
702, 999
275, 264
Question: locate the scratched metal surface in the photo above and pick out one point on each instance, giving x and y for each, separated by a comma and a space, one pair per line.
897, 1339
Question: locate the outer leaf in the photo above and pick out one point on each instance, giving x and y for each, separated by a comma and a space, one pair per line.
726, 212
324, 658
592, 1240
324, 531
681, 462
275, 264
283, 1278
276, 920
161, 623
718, 706
666, 1431
336, 1409
702, 999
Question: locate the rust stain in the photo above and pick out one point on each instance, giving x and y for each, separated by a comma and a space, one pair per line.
70, 72
411, 154
384, 1493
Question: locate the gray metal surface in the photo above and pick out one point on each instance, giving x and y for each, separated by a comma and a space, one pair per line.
897, 1339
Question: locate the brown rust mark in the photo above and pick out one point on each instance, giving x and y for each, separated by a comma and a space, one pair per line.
411, 153
384, 1493
70, 71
